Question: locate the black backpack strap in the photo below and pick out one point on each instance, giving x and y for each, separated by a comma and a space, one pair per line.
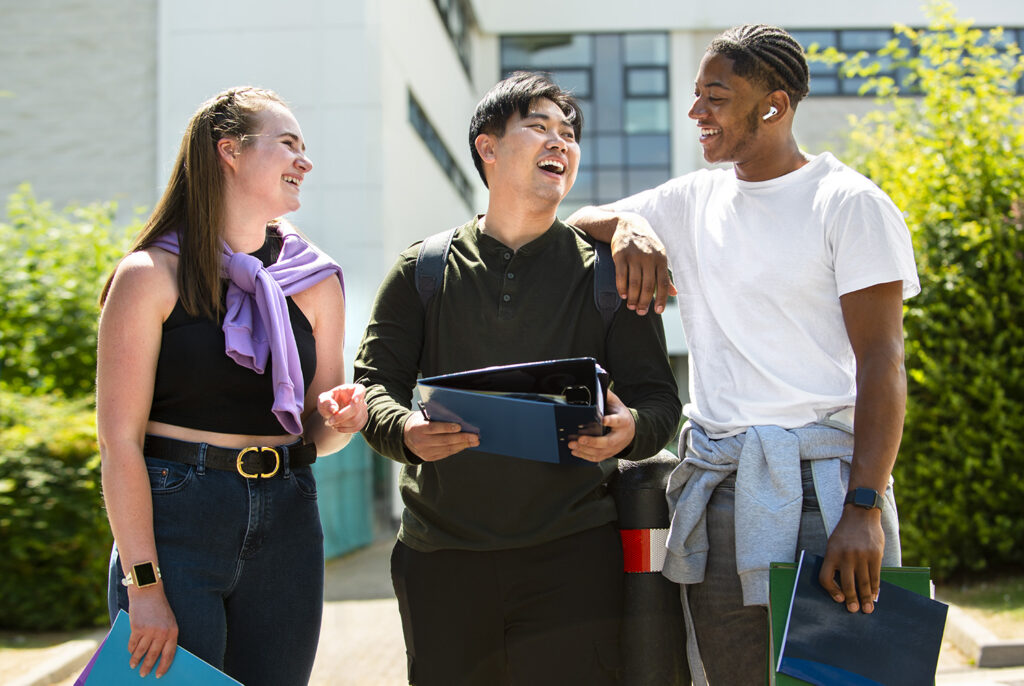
430, 263
606, 295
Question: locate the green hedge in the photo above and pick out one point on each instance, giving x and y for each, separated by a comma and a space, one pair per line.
54, 264
952, 158
960, 472
52, 522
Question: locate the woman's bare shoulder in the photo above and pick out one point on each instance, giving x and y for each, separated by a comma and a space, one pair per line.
149, 275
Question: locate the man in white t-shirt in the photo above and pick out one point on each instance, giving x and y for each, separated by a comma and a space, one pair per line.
790, 272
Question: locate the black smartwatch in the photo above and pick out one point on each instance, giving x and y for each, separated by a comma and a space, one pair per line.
142, 575
866, 498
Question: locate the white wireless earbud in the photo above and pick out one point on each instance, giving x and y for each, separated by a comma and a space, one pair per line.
771, 113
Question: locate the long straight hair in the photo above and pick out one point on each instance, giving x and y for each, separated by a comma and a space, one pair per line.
193, 202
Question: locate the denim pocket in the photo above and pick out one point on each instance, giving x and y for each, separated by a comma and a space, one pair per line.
168, 477
305, 482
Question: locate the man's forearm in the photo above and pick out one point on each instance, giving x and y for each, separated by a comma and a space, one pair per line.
384, 429
878, 421
656, 424
596, 222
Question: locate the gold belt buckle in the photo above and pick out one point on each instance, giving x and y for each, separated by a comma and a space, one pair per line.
257, 449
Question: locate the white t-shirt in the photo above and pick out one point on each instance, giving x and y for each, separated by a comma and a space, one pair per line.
759, 267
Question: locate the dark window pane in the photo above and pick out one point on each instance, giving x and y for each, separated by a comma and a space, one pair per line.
869, 40
608, 84
575, 80
648, 151
852, 86
428, 134
455, 23
646, 48
587, 107
588, 153
607, 115
647, 116
646, 81
611, 185
817, 68
884, 62
824, 85
568, 206
824, 39
583, 189
609, 150
642, 179
546, 52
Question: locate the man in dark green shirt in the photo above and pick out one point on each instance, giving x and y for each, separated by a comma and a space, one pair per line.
510, 570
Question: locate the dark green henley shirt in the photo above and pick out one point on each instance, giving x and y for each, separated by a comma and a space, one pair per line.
499, 306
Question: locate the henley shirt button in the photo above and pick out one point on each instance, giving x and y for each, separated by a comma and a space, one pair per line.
507, 256
511, 275
506, 297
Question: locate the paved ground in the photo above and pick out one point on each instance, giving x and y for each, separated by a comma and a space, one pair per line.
361, 641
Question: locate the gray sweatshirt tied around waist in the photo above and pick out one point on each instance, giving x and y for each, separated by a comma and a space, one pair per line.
769, 496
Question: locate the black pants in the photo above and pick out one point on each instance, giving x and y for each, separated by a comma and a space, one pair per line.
548, 614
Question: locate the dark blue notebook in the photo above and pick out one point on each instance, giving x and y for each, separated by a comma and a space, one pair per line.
896, 645
530, 411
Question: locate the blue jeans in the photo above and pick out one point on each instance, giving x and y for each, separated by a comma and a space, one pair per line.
733, 638
243, 568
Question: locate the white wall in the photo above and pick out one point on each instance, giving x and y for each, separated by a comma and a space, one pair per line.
543, 16
418, 55
80, 121
321, 58
409, 49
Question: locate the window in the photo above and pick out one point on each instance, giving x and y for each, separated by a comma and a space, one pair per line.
622, 83
437, 148
455, 15
827, 80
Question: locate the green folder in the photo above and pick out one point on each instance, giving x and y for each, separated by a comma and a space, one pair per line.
781, 579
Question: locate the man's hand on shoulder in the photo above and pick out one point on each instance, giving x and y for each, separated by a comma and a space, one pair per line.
641, 264
619, 419
433, 441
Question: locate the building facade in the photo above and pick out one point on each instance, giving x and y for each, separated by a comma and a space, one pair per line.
96, 94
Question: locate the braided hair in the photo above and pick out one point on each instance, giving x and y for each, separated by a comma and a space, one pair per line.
766, 55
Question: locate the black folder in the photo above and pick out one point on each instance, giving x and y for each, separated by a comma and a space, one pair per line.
530, 410
823, 643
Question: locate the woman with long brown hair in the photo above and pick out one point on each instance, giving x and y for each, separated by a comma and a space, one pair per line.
220, 337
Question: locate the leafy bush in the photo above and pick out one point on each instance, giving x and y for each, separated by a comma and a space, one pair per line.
52, 521
952, 158
54, 265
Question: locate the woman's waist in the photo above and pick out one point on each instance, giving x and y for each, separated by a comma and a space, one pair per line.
224, 440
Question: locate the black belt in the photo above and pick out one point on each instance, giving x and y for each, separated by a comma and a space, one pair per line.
252, 462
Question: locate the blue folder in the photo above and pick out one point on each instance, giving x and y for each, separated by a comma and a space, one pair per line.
896, 645
109, 666
529, 410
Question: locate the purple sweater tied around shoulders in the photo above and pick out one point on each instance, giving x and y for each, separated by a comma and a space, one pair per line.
256, 323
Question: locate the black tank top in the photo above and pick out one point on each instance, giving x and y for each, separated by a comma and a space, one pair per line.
199, 387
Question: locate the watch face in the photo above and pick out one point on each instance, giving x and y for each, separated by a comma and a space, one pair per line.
865, 497
144, 574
